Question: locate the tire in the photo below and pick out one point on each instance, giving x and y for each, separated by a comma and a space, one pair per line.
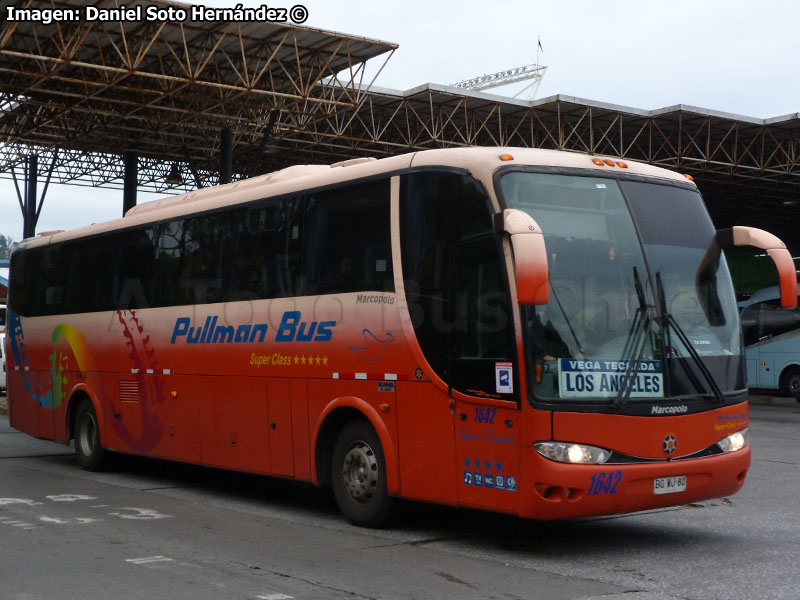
790, 382
88, 448
358, 475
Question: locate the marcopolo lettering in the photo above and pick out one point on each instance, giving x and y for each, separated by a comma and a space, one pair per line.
374, 299
669, 410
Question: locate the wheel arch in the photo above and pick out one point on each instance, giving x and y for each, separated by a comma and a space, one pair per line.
79, 393
331, 421
786, 372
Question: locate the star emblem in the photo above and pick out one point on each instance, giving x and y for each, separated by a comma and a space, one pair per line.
670, 444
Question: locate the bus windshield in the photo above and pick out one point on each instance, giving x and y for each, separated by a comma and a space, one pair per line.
623, 254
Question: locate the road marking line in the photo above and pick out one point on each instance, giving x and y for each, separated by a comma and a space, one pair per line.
149, 559
70, 497
275, 596
140, 514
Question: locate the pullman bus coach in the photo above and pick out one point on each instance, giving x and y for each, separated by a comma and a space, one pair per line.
540, 333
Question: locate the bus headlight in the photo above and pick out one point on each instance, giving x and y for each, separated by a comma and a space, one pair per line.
735, 441
572, 453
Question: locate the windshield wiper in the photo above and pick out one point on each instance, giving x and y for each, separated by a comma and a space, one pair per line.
669, 321
567, 321
635, 344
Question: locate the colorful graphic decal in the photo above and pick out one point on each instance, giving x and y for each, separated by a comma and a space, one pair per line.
150, 387
59, 362
374, 347
80, 358
51, 398
22, 362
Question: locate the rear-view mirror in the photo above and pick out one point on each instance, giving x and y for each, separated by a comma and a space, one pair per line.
530, 256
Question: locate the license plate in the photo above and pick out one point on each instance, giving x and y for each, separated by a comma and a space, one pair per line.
669, 485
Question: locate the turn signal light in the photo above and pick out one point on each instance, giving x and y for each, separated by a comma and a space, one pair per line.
506, 157
598, 161
689, 177
622, 165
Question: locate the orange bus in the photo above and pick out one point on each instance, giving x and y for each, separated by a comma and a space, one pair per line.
534, 332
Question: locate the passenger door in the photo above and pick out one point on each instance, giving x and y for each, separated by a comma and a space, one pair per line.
484, 377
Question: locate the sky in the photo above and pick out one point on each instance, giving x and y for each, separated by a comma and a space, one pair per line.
732, 56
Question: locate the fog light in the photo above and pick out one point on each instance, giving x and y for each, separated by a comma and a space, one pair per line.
735, 441
572, 453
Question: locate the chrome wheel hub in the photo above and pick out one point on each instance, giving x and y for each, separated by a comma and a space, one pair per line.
360, 472
87, 435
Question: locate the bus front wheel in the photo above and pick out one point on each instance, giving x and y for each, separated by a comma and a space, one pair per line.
88, 449
358, 475
790, 382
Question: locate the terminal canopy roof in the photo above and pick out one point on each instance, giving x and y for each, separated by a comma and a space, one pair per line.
81, 94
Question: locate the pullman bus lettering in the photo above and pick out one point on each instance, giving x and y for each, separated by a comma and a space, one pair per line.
211, 333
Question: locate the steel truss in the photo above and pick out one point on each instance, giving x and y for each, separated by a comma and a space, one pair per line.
165, 90
83, 94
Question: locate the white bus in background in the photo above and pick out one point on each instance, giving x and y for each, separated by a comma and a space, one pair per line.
772, 342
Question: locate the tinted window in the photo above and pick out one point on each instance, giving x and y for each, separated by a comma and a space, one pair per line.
89, 266
24, 267
347, 239
190, 257
483, 334
445, 220
328, 242
265, 250
136, 277
765, 320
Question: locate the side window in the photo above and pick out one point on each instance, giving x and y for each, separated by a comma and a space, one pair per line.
24, 265
483, 334
190, 256
38, 286
454, 280
136, 277
773, 320
749, 319
51, 287
264, 250
347, 239
88, 275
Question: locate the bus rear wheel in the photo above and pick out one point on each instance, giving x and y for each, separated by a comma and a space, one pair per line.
358, 475
790, 382
88, 449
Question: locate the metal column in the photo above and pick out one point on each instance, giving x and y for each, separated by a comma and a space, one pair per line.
29, 214
131, 181
226, 156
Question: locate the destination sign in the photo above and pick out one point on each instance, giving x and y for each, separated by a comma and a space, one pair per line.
601, 378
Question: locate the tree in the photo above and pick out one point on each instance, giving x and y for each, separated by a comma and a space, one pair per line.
6, 241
